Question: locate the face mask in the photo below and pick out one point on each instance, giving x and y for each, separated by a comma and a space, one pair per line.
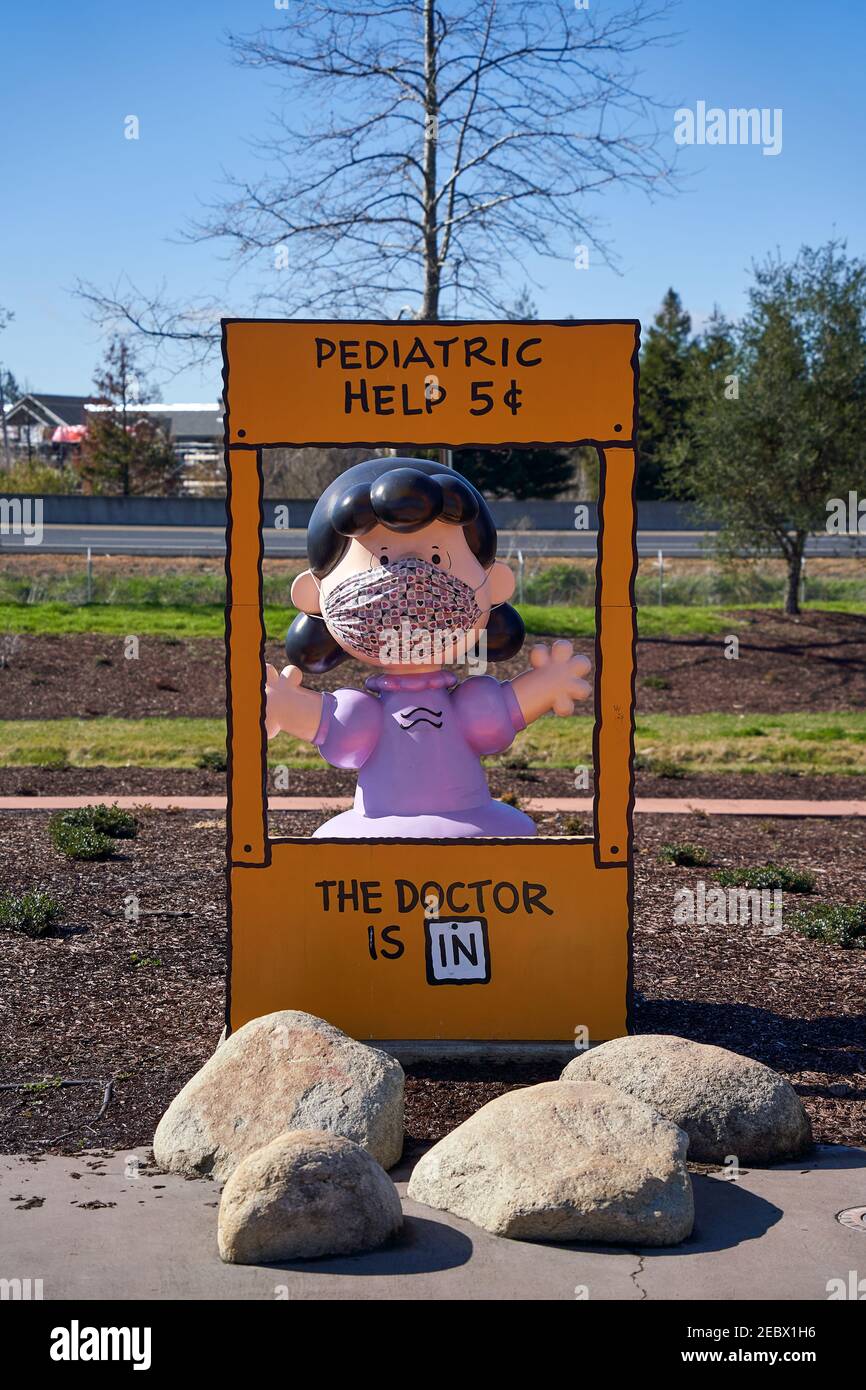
364, 607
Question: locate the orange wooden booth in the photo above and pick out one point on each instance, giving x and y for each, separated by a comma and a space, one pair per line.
339, 928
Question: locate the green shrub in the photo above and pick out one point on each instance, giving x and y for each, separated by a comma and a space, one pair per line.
659, 767
213, 761
79, 841
560, 582
33, 913
655, 683
48, 755
768, 876
38, 478
106, 820
836, 924
575, 825
686, 855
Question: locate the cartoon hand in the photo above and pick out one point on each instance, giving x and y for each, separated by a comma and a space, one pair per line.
280, 691
561, 672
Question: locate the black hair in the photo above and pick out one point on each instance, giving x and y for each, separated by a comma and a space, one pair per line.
404, 495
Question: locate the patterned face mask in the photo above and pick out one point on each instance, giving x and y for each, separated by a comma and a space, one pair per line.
368, 605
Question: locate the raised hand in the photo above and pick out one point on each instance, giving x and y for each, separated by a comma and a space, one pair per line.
555, 681
289, 706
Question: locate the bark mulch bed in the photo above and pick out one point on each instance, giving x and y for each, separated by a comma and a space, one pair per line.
525, 783
140, 1001
815, 662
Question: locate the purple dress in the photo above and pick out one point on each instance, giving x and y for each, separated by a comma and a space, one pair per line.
416, 742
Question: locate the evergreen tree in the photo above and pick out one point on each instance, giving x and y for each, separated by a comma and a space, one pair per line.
518, 473
664, 395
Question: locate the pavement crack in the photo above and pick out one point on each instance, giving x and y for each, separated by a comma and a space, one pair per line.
636, 1274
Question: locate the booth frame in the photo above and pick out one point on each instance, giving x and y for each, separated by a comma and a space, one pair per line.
282, 953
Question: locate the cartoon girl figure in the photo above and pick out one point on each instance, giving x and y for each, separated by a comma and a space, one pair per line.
404, 577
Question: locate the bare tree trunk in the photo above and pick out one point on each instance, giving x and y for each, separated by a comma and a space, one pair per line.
795, 566
432, 269
6, 458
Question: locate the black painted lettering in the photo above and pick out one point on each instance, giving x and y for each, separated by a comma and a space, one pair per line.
452, 905
389, 938
475, 352
347, 895
500, 897
461, 948
326, 884
520, 354
370, 892
368, 354
349, 359
360, 396
407, 894
321, 355
383, 397
532, 895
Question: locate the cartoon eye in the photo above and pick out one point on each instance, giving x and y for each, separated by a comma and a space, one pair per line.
383, 559
437, 559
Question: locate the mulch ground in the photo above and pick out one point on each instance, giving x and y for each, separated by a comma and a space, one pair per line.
815, 662
524, 783
140, 1001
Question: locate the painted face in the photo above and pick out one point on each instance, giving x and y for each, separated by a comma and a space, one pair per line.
410, 600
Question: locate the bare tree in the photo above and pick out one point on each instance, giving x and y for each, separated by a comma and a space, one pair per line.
444, 142
305, 472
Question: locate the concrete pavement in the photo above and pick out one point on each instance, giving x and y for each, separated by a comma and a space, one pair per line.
88, 1228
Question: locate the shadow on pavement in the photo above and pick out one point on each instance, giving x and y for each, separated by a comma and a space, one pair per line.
424, 1247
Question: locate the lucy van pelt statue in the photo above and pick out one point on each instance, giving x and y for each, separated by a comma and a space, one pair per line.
404, 577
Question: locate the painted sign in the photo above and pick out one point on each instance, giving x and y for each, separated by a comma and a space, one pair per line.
427, 937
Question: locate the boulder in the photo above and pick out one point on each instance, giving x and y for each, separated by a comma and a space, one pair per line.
563, 1161
727, 1104
281, 1072
308, 1193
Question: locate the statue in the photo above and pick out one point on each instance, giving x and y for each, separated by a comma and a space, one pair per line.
404, 577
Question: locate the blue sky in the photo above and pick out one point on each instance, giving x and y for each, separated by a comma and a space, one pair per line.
81, 201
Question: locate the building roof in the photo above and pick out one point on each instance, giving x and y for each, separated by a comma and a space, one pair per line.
184, 420
48, 409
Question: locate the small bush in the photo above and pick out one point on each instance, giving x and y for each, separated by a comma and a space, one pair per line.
688, 856
34, 913
48, 755
213, 761
656, 683
659, 767
511, 799
79, 841
768, 876
517, 762
575, 825
105, 820
836, 924
38, 478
